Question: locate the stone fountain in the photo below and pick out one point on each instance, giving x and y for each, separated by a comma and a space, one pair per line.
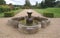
29, 24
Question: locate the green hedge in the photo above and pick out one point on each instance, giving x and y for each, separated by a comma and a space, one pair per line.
4, 9
50, 15
9, 14
1, 10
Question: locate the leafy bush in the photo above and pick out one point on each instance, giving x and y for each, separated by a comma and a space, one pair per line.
4, 8
58, 5
9, 14
50, 15
16, 8
1, 9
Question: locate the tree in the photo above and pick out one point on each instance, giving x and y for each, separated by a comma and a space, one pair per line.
50, 3
43, 4
37, 5
11, 6
27, 4
57, 4
2, 2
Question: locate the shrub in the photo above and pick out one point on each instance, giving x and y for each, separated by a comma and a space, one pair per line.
50, 15
9, 14
1, 10
16, 8
4, 8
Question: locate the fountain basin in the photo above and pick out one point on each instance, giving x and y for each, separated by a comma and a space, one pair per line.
15, 22
28, 29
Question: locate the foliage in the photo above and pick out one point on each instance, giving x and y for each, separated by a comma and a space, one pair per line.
11, 6
1, 14
16, 8
9, 14
57, 4
50, 3
50, 15
43, 4
4, 8
37, 5
13, 11
2, 2
56, 11
7, 8
27, 4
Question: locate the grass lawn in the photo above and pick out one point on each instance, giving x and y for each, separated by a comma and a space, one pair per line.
56, 11
15, 11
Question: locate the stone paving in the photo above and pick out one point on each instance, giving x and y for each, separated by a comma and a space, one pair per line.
52, 31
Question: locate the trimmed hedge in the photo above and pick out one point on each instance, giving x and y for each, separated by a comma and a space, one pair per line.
4, 9
50, 15
9, 14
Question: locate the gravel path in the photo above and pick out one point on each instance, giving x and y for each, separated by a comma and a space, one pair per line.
24, 13
52, 31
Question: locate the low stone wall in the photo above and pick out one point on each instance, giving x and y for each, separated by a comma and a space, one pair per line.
28, 29
45, 23
13, 23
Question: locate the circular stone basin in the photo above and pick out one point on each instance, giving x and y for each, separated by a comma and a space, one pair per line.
28, 29
22, 27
